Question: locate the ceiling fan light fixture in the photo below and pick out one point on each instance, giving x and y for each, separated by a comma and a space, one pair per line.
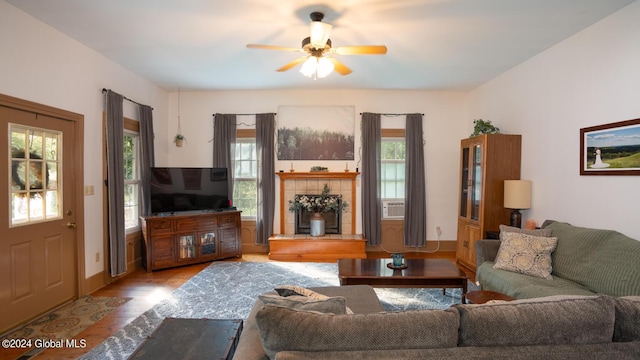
319, 34
325, 67
317, 67
318, 61
309, 66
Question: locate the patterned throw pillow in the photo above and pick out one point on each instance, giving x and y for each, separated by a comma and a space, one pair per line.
330, 305
289, 290
526, 254
294, 290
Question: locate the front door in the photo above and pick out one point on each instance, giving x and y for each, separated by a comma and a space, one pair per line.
38, 259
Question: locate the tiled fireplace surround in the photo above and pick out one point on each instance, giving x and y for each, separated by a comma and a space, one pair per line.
293, 183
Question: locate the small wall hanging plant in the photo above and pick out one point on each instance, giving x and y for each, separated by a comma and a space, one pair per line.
179, 139
484, 127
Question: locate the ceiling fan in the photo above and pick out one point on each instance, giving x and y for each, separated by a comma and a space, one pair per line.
318, 60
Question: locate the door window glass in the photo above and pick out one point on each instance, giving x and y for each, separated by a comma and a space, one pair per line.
34, 187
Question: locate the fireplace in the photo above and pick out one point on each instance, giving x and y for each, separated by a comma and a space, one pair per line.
293, 182
332, 221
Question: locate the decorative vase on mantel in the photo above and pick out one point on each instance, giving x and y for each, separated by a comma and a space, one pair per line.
316, 224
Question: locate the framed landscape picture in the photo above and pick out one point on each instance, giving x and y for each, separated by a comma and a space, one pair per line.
316, 132
611, 149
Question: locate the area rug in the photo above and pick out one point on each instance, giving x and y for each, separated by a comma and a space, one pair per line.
67, 321
227, 290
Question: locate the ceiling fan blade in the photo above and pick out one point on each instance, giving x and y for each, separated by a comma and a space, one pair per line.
293, 63
341, 68
360, 50
272, 47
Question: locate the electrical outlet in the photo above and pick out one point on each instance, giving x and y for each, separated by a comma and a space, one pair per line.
438, 231
97, 257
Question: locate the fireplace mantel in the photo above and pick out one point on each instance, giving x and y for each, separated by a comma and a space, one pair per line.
318, 175
295, 175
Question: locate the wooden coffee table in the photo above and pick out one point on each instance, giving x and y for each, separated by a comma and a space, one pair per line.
420, 273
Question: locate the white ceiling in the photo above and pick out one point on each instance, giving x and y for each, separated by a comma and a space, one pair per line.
432, 44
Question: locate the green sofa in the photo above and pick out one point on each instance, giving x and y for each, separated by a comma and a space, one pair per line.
585, 262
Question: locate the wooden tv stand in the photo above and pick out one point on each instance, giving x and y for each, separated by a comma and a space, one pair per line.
189, 238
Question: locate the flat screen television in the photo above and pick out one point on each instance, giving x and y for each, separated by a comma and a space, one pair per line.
175, 189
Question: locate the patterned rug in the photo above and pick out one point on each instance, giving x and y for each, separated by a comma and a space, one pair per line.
67, 321
227, 290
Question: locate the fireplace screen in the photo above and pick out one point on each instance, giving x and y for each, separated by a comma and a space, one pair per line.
333, 223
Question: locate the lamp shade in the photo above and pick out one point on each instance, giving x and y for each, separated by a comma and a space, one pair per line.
517, 194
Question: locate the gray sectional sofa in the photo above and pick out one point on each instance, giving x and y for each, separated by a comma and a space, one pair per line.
585, 262
565, 327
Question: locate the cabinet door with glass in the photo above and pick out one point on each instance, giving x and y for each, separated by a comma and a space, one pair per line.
187, 247
471, 180
208, 244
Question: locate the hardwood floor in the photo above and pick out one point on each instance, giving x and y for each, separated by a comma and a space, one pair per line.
145, 289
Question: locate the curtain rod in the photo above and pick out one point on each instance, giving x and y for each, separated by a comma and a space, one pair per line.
392, 114
126, 98
214, 115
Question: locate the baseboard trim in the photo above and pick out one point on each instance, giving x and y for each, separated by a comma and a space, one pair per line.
93, 283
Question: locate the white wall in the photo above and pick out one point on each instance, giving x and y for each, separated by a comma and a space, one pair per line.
445, 123
589, 79
40, 64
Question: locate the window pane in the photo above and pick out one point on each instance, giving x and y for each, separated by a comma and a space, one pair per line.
245, 192
36, 205
129, 158
245, 195
51, 149
393, 168
400, 169
131, 205
52, 204
35, 144
131, 179
34, 192
401, 150
52, 179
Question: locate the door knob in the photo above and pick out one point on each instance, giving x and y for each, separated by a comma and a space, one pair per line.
72, 225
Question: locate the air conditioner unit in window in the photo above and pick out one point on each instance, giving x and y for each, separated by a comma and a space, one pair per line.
393, 209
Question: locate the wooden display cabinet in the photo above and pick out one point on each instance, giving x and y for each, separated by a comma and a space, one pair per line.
485, 162
189, 238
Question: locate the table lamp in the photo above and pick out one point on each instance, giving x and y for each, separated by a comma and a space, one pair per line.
517, 196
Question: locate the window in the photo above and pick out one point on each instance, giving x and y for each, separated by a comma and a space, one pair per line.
392, 172
35, 159
245, 185
131, 174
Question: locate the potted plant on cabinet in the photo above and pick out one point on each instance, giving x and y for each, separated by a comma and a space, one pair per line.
484, 127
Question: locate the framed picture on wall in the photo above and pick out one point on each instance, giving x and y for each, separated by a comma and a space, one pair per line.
316, 132
611, 149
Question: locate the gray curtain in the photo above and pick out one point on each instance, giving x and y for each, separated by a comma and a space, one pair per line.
114, 129
224, 144
265, 140
371, 207
147, 158
415, 208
